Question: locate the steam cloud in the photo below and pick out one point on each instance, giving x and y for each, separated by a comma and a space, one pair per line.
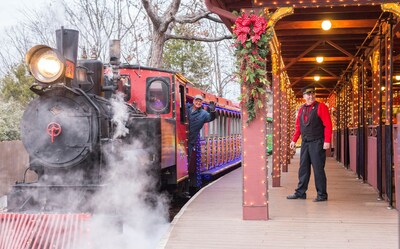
120, 115
130, 194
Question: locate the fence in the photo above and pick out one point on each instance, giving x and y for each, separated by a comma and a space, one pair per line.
13, 162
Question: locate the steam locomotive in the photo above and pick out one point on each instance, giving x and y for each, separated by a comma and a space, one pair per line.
71, 124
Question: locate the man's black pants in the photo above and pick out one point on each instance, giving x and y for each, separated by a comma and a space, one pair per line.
312, 153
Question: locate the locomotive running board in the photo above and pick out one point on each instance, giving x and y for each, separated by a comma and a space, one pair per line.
34, 231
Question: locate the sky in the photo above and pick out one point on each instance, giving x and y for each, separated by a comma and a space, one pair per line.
10, 10
11, 14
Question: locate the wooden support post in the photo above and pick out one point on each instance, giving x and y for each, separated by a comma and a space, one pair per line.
276, 165
254, 166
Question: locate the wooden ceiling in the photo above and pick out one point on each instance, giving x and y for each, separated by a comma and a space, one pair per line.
302, 39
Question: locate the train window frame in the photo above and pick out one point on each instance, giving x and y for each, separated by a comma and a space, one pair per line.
165, 91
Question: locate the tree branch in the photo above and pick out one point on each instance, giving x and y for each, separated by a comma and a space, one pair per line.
170, 14
194, 38
155, 19
195, 18
217, 20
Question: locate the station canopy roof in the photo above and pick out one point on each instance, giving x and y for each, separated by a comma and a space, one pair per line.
354, 24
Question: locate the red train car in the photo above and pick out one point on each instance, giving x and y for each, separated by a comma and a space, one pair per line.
163, 95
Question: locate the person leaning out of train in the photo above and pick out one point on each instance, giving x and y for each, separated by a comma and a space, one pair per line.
197, 117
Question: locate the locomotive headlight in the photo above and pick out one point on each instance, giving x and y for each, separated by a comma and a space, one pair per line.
47, 65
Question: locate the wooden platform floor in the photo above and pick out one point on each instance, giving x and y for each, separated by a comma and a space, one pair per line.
352, 218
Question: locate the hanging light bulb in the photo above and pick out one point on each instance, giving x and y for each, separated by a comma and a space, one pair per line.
319, 59
326, 25
317, 77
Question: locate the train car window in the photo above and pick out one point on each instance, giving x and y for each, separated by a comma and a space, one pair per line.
182, 105
231, 125
239, 125
233, 120
210, 128
221, 125
237, 122
217, 124
157, 95
224, 126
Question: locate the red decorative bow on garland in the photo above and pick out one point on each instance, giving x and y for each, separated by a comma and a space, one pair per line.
252, 46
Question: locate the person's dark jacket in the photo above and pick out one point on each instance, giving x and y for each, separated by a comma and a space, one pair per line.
197, 119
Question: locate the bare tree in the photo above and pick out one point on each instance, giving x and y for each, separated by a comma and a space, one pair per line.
135, 23
163, 24
37, 28
223, 78
99, 21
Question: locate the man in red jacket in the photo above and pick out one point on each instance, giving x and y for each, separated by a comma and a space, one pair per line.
314, 124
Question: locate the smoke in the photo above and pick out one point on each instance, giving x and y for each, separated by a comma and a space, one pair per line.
131, 213
120, 115
58, 9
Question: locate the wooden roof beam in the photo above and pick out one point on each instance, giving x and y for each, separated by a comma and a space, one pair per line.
312, 59
318, 83
329, 72
319, 32
303, 54
305, 75
342, 24
339, 48
312, 78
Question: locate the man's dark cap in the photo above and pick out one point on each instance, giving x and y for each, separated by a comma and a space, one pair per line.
308, 89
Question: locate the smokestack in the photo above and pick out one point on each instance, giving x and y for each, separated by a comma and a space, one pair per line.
115, 52
67, 43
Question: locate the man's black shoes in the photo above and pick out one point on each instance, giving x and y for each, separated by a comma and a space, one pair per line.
184, 195
294, 196
304, 196
318, 199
